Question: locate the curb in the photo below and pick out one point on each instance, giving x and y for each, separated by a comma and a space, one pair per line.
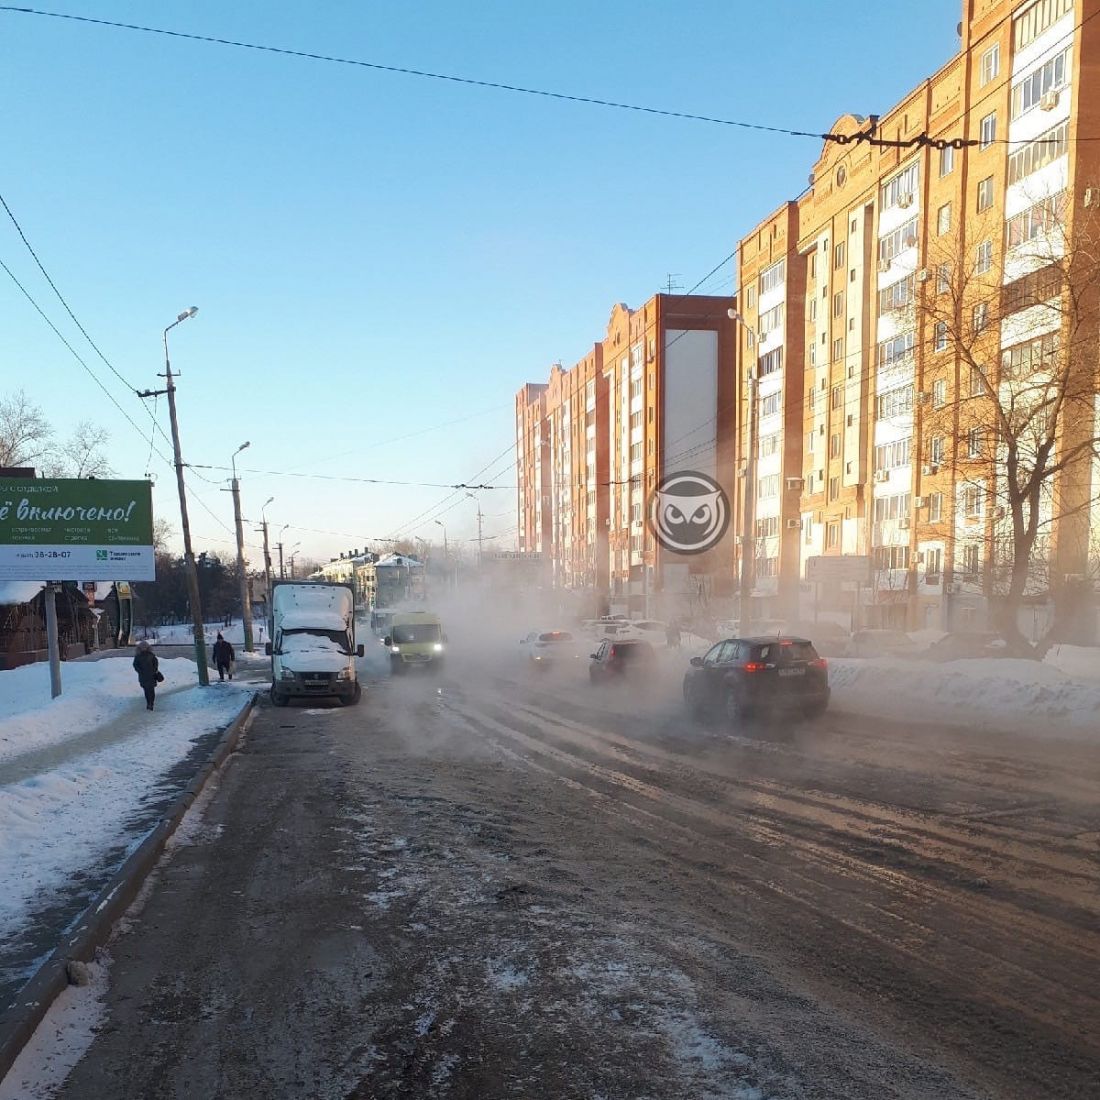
93, 927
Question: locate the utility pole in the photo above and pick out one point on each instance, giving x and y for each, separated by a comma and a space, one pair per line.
282, 571
267, 562
53, 645
748, 483
246, 598
188, 554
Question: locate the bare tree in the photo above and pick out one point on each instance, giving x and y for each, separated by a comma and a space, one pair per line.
1010, 324
25, 434
84, 453
162, 532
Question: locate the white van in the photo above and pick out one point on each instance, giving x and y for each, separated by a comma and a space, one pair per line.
312, 645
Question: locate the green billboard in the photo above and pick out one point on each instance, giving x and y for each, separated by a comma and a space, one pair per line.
76, 529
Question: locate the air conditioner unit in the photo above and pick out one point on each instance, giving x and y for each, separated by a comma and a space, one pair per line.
903, 523
794, 524
794, 483
884, 265
920, 502
929, 471
923, 275
905, 199
1048, 101
882, 475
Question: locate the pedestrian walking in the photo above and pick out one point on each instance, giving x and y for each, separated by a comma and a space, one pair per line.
147, 667
223, 658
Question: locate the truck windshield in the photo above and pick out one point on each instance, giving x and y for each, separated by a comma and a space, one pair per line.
298, 641
411, 633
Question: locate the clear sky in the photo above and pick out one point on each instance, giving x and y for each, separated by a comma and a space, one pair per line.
376, 254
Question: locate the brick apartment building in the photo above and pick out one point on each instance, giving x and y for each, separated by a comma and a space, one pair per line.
655, 396
893, 307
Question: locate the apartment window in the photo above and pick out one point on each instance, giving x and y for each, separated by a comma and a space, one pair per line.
939, 336
813, 309
891, 508
1037, 154
769, 444
1030, 24
838, 349
891, 557
837, 398
834, 445
771, 319
973, 500
839, 255
771, 362
943, 278
838, 304
985, 194
1038, 219
894, 243
939, 393
947, 161
1024, 360
636, 512
979, 319
933, 564
834, 488
750, 297
811, 399
895, 402
773, 277
935, 508
987, 129
1035, 288
832, 536
810, 437
896, 296
935, 450
974, 443
890, 456
971, 560
943, 219
767, 528
900, 190
895, 350
990, 65
635, 388
1041, 87
983, 260
636, 452
767, 487
635, 420
771, 404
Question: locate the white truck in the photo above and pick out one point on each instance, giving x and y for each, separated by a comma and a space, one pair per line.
312, 645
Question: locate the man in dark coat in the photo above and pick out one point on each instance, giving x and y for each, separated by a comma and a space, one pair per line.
223, 658
147, 667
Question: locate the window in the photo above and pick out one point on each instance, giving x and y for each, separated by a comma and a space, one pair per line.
1036, 220
979, 318
832, 536
935, 450
943, 219
892, 508
935, 508
750, 297
1033, 289
773, 277
636, 452
811, 400
838, 349
939, 393
895, 350
771, 404
838, 256
767, 487
900, 190
769, 444
834, 445
636, 512
973, 500
1044, 150
983, 260
974, 443
771, 362
947, 161
635, 420
985, 194
896, 296
971, 560
810, 437
987, 130
1024, 360
771, 319
834, 488
933, 564
635, 388
990, 65
894, 243
813, 309
943, 278
1046, 80
767, 528
895, 402
891, 557
939, 336
838, 304
890, 456
1031, 23
837, 397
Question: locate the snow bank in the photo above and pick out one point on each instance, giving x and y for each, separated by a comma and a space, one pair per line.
1005, 695
1075, 660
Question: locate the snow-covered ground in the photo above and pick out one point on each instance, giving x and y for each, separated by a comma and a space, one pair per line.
1005, 695
182, 634
76, 774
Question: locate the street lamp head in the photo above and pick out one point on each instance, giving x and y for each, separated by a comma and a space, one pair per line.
266, 502
187, 313
245, 444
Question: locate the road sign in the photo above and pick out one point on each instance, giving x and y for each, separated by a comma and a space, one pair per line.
853, 568
69, 528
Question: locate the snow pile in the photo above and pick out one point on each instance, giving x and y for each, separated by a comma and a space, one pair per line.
184, 633
1007, 695
1080, 661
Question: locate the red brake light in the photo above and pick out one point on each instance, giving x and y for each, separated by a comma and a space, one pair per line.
612, 653
754, 666
819, 663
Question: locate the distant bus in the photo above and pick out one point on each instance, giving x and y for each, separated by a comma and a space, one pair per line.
380, 621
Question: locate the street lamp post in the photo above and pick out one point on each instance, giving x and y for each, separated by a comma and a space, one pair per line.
246, 598
279, 543
267, 553
748, 483
188, 553
446, 553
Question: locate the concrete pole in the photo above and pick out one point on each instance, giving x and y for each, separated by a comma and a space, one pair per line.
282, 571
267, 568
246, 597
49, 595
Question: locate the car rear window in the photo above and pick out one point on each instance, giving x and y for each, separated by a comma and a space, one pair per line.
556, 636
786, 653
630, 651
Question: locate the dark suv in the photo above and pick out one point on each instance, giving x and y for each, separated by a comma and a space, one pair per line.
617, 659
743, 676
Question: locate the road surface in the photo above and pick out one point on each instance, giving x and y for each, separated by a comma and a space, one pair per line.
495, 885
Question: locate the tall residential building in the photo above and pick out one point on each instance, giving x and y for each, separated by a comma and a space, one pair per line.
654, 397
913, 308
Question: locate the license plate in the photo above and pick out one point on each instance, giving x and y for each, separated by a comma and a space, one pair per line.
792, 672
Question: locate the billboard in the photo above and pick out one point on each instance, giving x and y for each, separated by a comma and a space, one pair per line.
56, 529
850, 568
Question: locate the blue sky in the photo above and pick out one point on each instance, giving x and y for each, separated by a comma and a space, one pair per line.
375, 254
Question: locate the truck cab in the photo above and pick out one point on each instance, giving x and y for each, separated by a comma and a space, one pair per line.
415, 640
312, 645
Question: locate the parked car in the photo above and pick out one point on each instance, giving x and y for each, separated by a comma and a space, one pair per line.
550, 647
648, 630
630, 658
962, 644
731, 628
739, 677
880, 643
830, 639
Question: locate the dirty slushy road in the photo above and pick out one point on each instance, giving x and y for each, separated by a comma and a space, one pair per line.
495, 885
